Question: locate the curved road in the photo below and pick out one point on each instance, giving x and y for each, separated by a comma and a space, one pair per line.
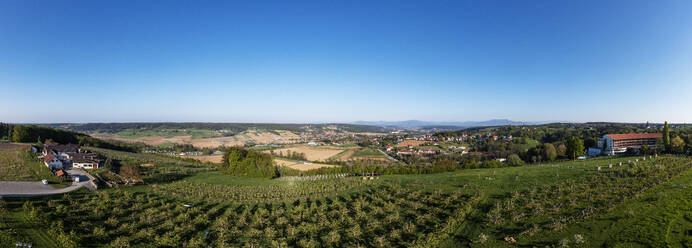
22, 189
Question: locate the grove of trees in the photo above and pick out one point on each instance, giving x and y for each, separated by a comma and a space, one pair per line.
245, 163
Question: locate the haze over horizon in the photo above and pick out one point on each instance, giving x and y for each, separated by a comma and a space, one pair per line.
317, 61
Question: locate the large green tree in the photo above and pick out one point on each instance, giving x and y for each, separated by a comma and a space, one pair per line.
677, 145
575, 147
666, 136
514, 160
550, 152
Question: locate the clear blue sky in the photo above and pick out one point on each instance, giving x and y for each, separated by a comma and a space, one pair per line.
343, 61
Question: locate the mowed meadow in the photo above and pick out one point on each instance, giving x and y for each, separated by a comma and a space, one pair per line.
186, 204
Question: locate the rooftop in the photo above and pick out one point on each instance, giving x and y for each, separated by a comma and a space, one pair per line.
622, 136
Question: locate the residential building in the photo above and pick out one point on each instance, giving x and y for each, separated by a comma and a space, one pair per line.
52, 162
85, 160
427, 151
60, 150
619, 143
404, 152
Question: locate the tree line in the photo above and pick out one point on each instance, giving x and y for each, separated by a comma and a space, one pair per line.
38, 134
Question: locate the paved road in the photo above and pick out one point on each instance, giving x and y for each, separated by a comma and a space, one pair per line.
387, 155
18, 189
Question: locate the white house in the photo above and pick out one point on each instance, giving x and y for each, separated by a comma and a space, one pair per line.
85, 160
52, 161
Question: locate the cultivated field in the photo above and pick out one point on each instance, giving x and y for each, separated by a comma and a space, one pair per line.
330, 153
299, 165
217, 159
312, 153
412, 143
250, 136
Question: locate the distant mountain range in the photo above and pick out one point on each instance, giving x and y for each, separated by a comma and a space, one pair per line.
420, 124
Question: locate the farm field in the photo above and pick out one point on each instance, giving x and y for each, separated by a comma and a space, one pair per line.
367, 153
207, 138
330, 153
537, 205
217, 159
412, 143
312, 153
299, 165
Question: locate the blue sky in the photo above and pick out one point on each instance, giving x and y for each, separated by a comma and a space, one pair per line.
343, 61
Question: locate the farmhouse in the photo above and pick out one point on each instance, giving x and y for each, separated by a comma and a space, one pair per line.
619, 143
60, 150
52, 162
85, 160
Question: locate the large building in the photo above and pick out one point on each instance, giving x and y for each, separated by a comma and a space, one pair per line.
619, 143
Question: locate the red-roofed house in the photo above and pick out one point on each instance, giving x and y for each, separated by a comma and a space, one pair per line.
618, 143
52, 162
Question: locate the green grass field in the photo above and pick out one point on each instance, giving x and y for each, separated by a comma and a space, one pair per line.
167, 133
564, 204
367, 152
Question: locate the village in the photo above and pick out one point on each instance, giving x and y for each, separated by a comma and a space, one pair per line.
484, 145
